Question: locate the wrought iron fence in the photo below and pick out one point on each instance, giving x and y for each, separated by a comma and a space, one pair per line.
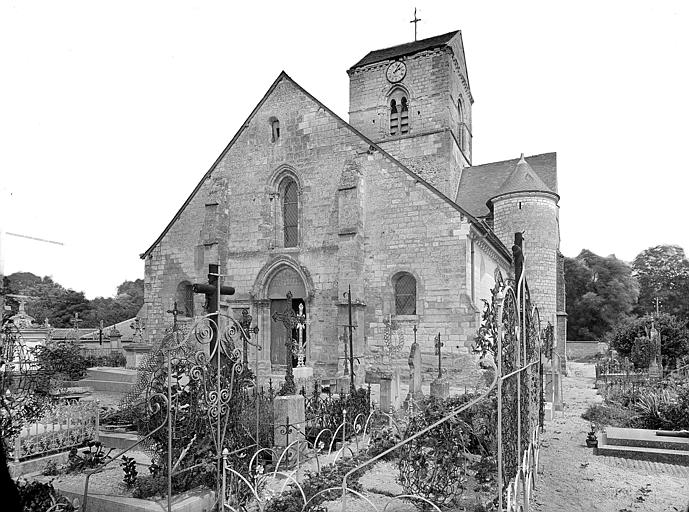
103, 356
63, 426
325, 410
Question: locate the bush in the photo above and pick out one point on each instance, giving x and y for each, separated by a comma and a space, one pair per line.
673, 334
61, 358
383, 440
612, 415
41, 497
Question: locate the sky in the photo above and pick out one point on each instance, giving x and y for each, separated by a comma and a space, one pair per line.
111, 112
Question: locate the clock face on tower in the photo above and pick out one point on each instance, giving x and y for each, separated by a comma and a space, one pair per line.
396, 72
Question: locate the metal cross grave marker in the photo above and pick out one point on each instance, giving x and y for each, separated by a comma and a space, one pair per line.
438, 346
289, 319
213, 290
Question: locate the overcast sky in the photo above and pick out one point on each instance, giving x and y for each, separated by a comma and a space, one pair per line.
111, 112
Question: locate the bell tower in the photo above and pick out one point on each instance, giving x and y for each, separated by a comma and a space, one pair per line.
414, 100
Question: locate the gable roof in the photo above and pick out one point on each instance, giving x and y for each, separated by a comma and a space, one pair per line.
284, 76
481, 183
405, 49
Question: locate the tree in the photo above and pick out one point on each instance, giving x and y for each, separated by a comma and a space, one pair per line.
663, 272
601, 292
50, 300
627, 338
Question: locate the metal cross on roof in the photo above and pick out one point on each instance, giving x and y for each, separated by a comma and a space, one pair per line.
415, 21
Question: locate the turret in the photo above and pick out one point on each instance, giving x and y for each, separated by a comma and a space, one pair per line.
524, 203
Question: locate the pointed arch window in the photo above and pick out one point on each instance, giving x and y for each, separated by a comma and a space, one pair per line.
399, 112
405, 294
290, 212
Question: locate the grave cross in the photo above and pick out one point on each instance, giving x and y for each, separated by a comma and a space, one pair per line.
289, 319
301, 325
245, 323
415, 21
174, 312
100, 333
213, 290
351, 327
438, 346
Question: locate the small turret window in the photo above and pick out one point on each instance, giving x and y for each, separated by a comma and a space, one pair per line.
399, 112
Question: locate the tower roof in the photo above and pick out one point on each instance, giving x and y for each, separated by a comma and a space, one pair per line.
522, 179
405, 49
480, 183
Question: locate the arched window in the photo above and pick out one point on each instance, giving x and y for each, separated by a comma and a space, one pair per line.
185, 299
290, 212
399, 112
405, 294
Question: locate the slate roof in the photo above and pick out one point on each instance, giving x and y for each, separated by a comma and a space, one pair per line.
480, 183
405, 49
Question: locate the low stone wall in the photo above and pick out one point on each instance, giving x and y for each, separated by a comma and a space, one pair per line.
580, 349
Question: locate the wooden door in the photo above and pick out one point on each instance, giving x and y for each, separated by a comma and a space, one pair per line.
278, 333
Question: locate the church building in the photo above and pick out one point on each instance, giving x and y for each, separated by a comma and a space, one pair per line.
388, 203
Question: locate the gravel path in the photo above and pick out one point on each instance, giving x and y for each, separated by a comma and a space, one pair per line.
573, 479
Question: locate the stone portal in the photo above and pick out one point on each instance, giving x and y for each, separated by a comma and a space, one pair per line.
284, 281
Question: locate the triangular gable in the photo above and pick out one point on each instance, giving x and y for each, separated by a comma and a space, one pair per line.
284, 76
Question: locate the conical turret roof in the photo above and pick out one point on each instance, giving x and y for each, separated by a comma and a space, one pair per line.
522, 179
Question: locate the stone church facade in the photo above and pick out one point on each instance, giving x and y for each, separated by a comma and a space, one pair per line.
388, 204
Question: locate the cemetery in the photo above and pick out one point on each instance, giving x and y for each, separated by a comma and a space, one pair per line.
189, 425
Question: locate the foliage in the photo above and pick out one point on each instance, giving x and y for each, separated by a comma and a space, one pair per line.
382, 440
59, 304
62, 358
612, 414
112, 359
130, 472
673, 334
330, 476
156, 484
92, 457
663, 272
601, 292
51, 468
24, 384
41, 497
432, 465
643, 351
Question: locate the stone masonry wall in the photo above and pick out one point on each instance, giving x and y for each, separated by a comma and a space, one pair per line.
362, 219
538, 218
434, 85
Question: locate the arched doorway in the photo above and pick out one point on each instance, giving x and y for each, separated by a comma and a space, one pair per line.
285, 280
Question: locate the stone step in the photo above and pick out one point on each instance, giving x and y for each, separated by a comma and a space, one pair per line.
107, 385
117, 440
644, 453
113, 374
644, 438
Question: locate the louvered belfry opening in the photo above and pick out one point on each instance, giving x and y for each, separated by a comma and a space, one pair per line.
394, 117
405, 295
290, 213
404, 116
399, 112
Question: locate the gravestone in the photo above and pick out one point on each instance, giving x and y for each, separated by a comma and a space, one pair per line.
415, 378
440, 388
